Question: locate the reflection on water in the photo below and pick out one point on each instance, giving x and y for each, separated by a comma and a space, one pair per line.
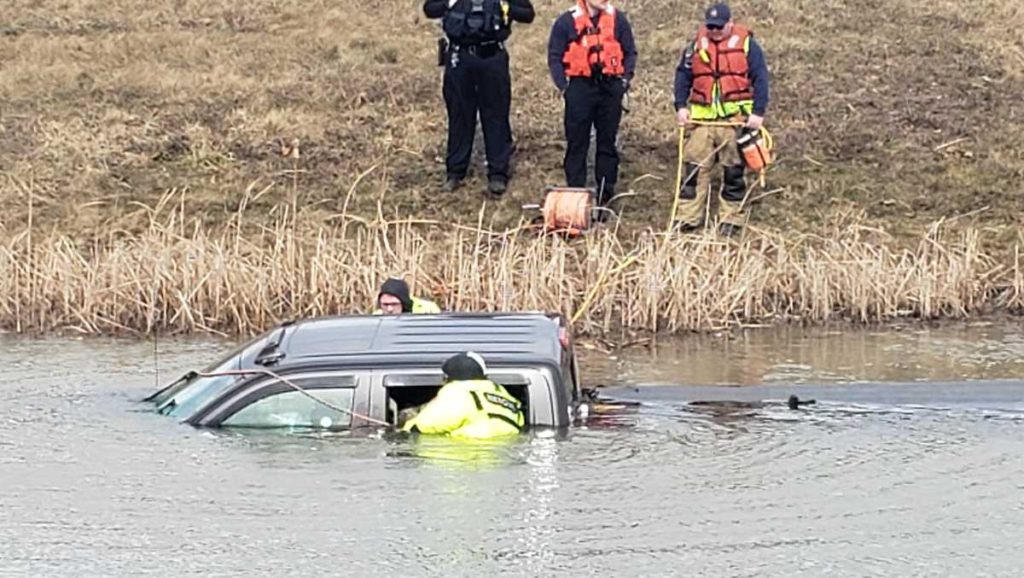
876, 479
979, 350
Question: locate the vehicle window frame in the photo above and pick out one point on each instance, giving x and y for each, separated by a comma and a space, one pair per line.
574, 371
262, 385
426, 378
536, 376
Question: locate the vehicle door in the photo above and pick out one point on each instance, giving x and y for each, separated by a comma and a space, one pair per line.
322, 399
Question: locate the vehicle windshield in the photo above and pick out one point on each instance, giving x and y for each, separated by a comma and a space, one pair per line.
173, 388
190, 390
198, 391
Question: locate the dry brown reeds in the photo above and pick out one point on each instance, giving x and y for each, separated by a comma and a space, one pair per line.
181, 277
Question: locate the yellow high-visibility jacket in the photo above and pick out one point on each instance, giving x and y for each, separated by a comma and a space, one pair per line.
419, 307
477, 409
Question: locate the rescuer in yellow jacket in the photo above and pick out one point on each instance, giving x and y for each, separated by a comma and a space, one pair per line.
394, 299
469, 405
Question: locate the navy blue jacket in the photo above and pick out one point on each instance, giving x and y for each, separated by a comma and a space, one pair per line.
564, 31
758, 77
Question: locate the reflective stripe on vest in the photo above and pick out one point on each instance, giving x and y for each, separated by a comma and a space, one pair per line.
595, 47
494, 402
721, 110
721, 79
470, 409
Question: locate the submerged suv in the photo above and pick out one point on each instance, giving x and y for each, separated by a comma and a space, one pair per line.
357, 371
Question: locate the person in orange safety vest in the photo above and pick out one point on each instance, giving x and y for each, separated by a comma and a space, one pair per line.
592, 57
721, 80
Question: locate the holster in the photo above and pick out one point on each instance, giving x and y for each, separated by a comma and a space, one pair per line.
442, 50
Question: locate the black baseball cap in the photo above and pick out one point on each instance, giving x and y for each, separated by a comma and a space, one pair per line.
465, 366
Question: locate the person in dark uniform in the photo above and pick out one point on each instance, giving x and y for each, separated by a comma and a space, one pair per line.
476, 79
592, 56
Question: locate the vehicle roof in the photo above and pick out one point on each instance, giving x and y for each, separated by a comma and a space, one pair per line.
509, 338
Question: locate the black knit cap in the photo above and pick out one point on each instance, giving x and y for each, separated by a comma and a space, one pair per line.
463, 367
399, 289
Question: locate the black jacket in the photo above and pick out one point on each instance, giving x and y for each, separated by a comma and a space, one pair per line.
518, 11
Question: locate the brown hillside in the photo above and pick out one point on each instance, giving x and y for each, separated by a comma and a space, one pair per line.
907, 110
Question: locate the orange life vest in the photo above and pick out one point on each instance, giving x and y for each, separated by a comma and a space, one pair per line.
595, 47
725, 62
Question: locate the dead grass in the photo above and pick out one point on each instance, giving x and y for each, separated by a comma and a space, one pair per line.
178, 276
111, 104
116, 115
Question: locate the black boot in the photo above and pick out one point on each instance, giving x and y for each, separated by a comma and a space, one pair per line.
451, 184
497, 186
686, 228
730, 230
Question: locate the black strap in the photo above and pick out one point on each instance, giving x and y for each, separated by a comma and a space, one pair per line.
505, 419
476, 400
512, 405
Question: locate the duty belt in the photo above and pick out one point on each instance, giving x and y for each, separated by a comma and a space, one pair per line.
481, 50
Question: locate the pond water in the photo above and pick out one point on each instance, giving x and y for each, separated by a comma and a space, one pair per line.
910, 463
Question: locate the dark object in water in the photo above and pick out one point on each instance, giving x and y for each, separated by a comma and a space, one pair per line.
728, 404
795, 403
593, 396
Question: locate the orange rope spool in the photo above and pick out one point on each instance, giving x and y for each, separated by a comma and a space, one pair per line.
567, 210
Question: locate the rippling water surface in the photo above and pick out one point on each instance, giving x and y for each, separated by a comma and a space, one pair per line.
911, 463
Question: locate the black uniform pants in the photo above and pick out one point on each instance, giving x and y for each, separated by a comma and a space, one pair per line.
593, 103
478, 82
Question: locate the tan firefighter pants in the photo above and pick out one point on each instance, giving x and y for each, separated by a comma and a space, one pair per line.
705, 147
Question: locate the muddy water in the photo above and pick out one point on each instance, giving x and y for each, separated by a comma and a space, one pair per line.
911, 463
787, 355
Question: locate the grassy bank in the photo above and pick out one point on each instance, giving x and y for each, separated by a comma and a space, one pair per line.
207, 166
178, 276
904, 110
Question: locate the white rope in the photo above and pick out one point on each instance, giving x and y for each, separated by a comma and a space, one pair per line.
285, 381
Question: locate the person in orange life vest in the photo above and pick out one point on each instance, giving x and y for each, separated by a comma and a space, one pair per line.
722, 77
592, 57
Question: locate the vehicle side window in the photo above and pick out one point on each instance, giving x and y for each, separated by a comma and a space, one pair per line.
296, 409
